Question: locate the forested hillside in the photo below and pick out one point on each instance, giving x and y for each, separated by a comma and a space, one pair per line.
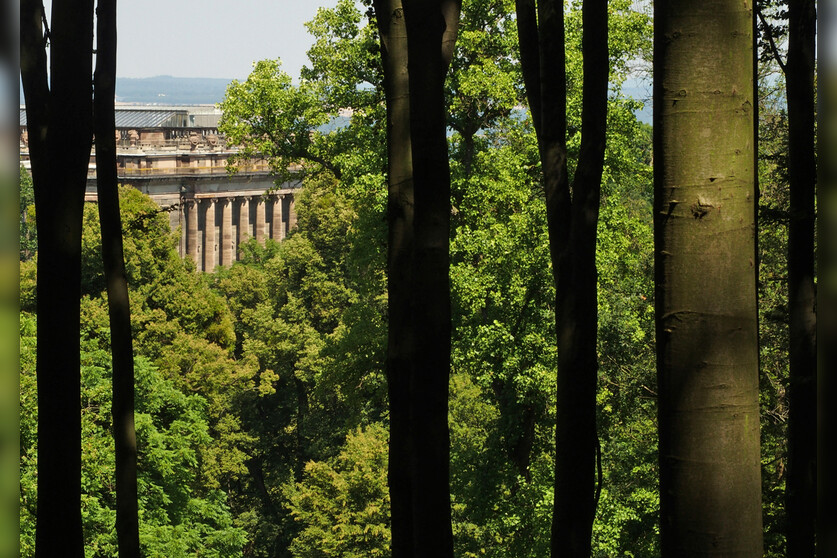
262, 407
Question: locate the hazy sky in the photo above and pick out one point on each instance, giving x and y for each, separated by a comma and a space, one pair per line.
211, 38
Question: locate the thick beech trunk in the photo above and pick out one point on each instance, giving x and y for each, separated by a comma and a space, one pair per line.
572, 215
59, 114
801, 484
707, 332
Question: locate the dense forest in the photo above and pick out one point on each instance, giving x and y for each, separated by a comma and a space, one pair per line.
267, 415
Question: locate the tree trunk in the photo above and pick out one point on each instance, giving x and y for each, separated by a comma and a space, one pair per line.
59, 113
400, 202
418, 352
801, 484
707, 333
577, 309
431, 32
302, 445
468, 151
572, 220
119, 309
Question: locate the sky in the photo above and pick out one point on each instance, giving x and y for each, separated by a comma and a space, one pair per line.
211, 38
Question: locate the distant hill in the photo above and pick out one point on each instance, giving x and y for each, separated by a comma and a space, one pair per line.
168, 90
640, 90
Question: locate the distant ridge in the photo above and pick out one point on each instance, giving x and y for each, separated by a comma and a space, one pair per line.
168, 90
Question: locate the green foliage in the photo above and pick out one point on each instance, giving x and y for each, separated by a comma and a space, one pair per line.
484, 83
629, 506
342, 504
192, 445
345, 57
311, 323
28, 276
28, 231
268, 117
178, 516
167, 297
774, 336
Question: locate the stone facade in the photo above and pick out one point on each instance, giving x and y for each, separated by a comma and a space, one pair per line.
214, 210
184, 170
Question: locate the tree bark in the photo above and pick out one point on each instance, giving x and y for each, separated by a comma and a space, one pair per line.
707, 332
572, 218
801, 484
417, 46
431, 32
400, 243
59, 113
119, 309
577, 308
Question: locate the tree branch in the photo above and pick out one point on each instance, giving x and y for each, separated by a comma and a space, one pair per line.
33, 73
530, 59
773, 48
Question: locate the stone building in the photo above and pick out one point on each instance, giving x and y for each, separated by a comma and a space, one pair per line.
176, 156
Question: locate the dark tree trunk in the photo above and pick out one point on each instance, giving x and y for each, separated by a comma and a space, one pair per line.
572, 221
59, 113
468, 152
801, 484
119, 309
706, 321
577, 309
400, 202
431, 32
302, 444
417, 45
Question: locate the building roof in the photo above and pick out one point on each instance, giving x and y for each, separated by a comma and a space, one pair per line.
150, 118
141, 118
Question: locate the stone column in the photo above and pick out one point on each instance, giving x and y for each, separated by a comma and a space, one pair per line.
182, 214
243, 220
260, 220
209, 237
277, 230
192, 230
291, 214
226, 232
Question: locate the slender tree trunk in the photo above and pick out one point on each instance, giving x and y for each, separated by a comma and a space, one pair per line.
577, 324
468, 151
707, 333
401, 340
801, 484
59, 112
302, 445
119, 308
572, 221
